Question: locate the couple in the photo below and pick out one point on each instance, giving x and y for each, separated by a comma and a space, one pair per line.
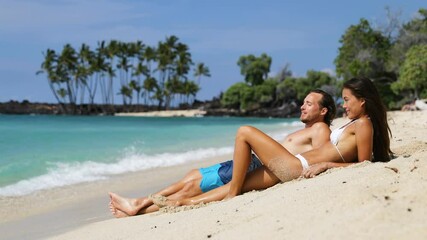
306, 152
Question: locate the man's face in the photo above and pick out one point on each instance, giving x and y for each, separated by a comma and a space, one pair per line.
310, 110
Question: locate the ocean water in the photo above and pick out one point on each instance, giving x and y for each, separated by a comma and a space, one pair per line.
42, 152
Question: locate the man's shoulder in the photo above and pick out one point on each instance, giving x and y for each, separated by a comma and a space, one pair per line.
314, 128
318, 129
319, 126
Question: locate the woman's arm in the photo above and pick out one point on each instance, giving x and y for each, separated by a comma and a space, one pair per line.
318, 168
364, 139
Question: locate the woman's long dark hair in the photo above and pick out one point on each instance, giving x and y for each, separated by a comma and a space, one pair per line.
364, 88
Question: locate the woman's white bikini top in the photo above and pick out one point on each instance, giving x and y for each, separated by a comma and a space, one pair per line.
336, 133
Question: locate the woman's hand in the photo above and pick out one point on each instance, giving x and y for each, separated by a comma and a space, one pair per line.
315, 169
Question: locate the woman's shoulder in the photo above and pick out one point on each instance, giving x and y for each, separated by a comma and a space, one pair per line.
363, 122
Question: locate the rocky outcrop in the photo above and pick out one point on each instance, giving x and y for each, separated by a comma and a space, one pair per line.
25, 107
211, 108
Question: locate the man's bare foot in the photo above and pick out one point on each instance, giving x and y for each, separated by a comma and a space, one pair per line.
129, 206
117, 213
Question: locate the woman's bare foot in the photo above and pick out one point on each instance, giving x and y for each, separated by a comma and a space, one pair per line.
129, 206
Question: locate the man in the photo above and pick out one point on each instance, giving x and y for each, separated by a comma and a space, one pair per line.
317, 113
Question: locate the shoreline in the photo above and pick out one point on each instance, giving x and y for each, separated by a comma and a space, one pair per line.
83, 203
165, 113
366, 200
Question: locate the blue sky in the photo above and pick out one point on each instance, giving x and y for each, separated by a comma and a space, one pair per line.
303, 33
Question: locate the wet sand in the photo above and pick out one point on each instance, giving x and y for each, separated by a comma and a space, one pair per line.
50, 212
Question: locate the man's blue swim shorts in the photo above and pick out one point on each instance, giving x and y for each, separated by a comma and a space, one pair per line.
221, 173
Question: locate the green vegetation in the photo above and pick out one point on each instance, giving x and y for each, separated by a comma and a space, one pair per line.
394, 57
413, 73
75, 76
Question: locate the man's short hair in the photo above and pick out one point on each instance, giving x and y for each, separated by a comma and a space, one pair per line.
328, 102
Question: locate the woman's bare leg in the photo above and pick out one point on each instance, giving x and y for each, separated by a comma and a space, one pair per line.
131, 206
272, 154
259, 179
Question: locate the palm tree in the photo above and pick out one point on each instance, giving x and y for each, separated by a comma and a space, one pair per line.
191, 89
183, 61
111, 52
71, 73
85, 72
135, 85
111, 74
99, 67
149, 85
165, 56
173, 87
123, 64
138, 50
150, 55
201, 70
146, 56
48, 67
174, 61
67, 67
126, 93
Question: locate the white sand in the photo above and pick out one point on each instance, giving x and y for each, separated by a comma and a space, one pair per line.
364, 201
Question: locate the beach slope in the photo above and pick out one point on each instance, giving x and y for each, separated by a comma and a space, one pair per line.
364, 201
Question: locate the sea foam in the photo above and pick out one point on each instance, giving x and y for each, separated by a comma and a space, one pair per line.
63, 174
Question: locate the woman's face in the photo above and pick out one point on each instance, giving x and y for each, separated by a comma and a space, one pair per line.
354, 107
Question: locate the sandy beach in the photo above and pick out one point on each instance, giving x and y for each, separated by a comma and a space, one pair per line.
364, 201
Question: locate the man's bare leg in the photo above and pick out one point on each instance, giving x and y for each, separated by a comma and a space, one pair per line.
183, 188
130, 206
190, 189
261, 178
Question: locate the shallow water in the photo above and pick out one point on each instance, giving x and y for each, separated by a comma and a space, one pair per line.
39, 152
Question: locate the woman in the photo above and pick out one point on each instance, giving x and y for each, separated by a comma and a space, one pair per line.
364, 137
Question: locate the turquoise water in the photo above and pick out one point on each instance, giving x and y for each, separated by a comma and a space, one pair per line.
40, 152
